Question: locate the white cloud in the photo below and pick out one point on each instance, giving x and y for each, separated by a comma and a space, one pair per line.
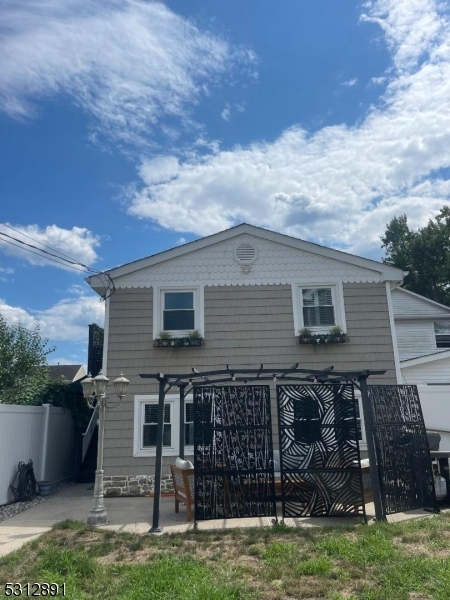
412, 27
341, 184
66, 320
161, 168
226, 113
180, 241
350, 82
378, 80
126, 63
77, 243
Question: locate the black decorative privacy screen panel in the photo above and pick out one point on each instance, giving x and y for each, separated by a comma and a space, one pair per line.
319, 451
233, 452
403, 453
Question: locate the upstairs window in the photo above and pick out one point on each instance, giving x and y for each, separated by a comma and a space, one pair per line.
442, 333
178, 311
318, 307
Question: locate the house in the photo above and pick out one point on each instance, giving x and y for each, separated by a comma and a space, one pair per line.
71, 373
423, 338
248, 291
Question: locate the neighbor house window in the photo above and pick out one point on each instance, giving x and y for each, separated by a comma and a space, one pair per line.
442, 333
318, 307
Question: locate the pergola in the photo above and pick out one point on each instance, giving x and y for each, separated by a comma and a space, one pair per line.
186, 381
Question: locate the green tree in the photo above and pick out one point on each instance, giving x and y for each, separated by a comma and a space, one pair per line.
67, 395
424, 253
24, 371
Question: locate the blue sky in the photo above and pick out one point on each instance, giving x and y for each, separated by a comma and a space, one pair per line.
128, 127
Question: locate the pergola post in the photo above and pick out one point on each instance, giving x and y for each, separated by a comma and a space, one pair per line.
368, 426
182, 432
156, 528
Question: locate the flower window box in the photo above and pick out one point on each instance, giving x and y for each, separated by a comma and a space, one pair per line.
323, 339
177, 342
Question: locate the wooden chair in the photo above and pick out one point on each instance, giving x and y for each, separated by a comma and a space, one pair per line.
183, 485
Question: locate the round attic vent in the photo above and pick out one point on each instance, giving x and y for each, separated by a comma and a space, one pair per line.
245, 255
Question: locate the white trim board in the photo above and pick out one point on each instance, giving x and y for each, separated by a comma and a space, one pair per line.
398, 371
421, 360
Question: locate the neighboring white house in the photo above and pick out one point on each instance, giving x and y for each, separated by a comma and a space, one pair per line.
423, 340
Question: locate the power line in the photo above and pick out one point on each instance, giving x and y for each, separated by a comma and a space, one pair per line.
66, 262
41, 243
72, 262
46, 257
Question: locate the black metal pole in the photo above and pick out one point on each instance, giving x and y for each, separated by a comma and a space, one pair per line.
374, 473
182, 440
158, 466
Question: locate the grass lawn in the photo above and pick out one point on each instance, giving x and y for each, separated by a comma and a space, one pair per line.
408, 561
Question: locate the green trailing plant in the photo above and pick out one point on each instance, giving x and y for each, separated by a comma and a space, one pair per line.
305, 332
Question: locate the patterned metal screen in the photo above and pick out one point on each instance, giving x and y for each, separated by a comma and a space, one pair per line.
319, 451
403, 453
233, 452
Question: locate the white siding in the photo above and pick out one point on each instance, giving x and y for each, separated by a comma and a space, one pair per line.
415, 338
22, 436
435, 402
407, 305
437, 371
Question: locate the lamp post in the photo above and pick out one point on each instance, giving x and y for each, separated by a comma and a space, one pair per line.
94, 389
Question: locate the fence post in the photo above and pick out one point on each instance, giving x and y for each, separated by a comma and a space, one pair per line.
374, 473
45, 440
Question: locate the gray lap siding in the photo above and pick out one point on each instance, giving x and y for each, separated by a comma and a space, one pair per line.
243, 326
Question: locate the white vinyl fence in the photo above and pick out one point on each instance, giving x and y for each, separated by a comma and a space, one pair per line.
43, 433
435, 402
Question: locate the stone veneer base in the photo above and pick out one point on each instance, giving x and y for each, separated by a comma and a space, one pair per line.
134, 485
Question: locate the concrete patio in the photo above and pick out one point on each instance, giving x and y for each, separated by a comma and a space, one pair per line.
135, 515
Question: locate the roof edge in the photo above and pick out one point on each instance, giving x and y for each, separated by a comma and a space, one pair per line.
433, 302
420, 360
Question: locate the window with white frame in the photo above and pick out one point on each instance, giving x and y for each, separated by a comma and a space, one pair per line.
318, 307
146, 425
189, 424
150, 425
442, 333
178, 310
